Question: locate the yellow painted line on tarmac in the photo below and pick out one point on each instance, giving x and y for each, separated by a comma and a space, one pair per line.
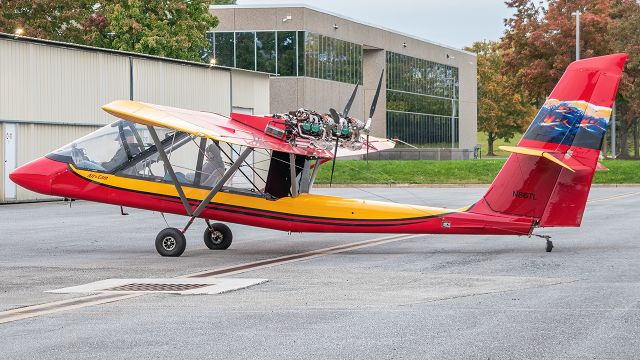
98, 299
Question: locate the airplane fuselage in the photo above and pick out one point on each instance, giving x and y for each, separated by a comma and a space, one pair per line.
303, 213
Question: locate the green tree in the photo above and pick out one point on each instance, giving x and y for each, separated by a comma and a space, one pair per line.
539, 42
46, 19
502, 109
169, 28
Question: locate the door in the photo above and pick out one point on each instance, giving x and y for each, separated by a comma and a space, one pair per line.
238, 180
9, 160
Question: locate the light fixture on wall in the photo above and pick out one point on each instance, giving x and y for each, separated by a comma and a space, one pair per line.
451, 57
286, 18
404, 44
19, 32
335, 27
213, 61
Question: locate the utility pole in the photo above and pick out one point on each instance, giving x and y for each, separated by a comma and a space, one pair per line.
577, 14
613, 130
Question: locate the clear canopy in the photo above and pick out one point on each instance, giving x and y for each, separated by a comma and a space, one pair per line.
127, 148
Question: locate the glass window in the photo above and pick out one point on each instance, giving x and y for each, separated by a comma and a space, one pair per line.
331, 59
223, 48
423, 130
421, 96
300, 55
266, 51
245, 50
109, 148
287, 53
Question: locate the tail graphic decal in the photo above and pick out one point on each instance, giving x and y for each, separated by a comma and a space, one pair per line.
576, 123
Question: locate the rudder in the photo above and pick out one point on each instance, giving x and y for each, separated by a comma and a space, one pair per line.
549, 173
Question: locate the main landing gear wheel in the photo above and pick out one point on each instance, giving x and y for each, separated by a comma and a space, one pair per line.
170, 242
218, 237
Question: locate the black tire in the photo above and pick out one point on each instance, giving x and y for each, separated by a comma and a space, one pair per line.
220, 239
170, 242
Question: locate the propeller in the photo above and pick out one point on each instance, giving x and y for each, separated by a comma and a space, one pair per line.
336, 118
374, 103
347, 107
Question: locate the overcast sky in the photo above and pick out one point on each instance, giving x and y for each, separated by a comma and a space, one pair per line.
456, 23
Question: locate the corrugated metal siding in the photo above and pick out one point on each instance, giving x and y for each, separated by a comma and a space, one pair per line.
36, 140
251, 91
2, 163
183, 86
47, 83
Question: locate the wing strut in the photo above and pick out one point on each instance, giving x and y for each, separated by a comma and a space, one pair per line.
292, 169
203, 204
227, 175
169, 168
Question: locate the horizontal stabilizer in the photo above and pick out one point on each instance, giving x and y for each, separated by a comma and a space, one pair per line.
535, 152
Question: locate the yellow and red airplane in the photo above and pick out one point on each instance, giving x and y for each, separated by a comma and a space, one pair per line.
170, 160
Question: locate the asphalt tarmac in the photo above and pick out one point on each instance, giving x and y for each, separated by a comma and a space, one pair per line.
363, 296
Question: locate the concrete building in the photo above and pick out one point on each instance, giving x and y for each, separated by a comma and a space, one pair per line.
317, 58
51, 93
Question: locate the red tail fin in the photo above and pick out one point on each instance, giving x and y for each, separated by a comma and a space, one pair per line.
548, 175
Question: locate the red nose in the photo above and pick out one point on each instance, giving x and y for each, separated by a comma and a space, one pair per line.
36, 175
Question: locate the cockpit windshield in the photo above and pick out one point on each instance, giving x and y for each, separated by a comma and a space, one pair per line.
126, 148
110, 147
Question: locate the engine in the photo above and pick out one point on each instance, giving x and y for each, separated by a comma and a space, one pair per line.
321, 130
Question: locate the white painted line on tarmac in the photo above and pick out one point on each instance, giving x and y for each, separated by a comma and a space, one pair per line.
207, 286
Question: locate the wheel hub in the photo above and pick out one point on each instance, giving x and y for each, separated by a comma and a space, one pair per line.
169, 243
216, 237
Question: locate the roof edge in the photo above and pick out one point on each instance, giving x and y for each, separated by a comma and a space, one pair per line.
62, 44
309, 7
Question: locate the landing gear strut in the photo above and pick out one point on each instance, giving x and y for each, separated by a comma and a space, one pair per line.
547, 238
171, 241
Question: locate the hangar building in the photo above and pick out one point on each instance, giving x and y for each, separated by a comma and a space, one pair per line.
51, 93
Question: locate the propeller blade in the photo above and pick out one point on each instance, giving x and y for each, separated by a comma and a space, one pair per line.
333, 164
375, 98
367, 149
347, 108
336, 117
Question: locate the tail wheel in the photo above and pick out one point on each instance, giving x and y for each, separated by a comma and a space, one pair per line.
218, 237
549, 246
170, 242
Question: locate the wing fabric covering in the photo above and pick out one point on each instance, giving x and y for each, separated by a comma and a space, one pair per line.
239, 129
205, 124
549, 173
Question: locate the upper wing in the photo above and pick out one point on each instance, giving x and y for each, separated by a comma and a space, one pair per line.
204, 124
375, 144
